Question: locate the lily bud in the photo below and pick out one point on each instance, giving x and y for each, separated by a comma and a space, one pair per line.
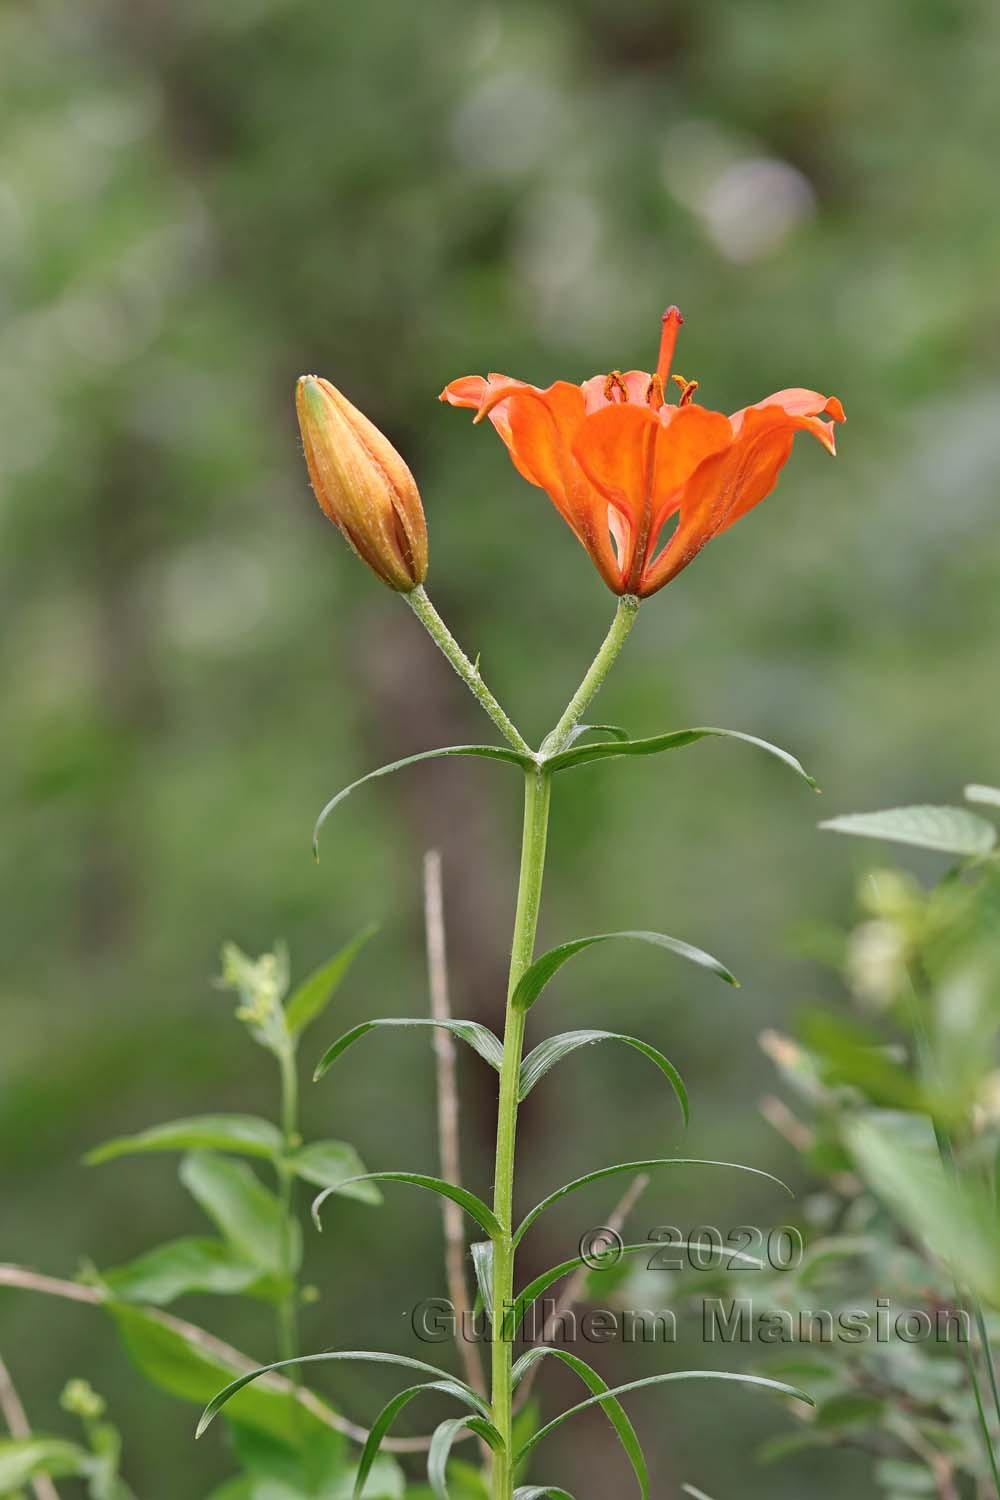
362, 485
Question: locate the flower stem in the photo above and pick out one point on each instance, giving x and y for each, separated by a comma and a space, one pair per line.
537, 792
628, 608
287, 1312
442, 637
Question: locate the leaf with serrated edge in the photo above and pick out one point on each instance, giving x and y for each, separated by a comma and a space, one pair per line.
535, 1289
441, 1445
246, 1135
486, 752
475, 1207
637, 1167
536, 977
309, 1000
947, 830
759, 1381
363, 1356
391, 1411
597, 1385
581, 755
480, 1038
554, 1048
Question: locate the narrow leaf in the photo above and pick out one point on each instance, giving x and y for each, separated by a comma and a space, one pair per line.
636, 1168
246, 1135
314, 994
361, 1356
473, 1206
689, 1489
988, 795
614, 1410
535, 978
480, 1038
549, 1052
486, 752
758, 1381
245, 1212
614, 730
524, 1299
581, 755
442, 1442
949, 830
332, 1164
482, 1265
538, 1491
391, 1411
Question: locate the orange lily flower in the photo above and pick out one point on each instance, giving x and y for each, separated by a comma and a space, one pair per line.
620, 462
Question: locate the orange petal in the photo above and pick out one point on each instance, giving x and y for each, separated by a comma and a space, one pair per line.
797, 402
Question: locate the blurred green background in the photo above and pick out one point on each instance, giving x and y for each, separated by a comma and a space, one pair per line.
197, 203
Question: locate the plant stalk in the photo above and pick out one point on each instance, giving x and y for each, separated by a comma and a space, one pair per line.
469, 673
628, 608
287, 1314
537, 793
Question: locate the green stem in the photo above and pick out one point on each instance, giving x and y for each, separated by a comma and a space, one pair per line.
628, 608
537, 793
288, 1330
469, 673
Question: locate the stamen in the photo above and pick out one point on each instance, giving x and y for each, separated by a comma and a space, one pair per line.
688, 388
672, 321
654, 393
614, 384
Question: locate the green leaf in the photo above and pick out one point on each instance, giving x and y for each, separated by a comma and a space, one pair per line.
362, 1356
480, 1038
245, 1212
314, 994
475, 1207
246, 1135
905, 1478
759, 1381
486, 752
614, 1410
441, 1445
482, 1265
536, 977
537, 1491
614, 730
949, 830
582, 755
849, 1409
182, 1266
332, 1164
554, 1048
989, 795
22, 1458
636, 1168
391, 1411
689, 1489
955, 1218
195, 1374
541, 1284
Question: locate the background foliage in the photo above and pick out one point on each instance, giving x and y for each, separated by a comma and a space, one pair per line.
199, 202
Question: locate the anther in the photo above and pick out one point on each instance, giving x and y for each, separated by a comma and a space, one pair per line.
688, 388
614, 384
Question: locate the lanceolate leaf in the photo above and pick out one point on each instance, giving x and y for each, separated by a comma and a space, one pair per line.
581, 755
479, 1038
360, 1356
441, 1446
475, 1207
482, 1264
541, 1284
614, 730
535, 978
758, 1381
614, 1410
315, 993
549, 1052
636, 1168
179, 1267
246, 1212
332, 1164
949, 830
485, 752
391, 1411
246, 1135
